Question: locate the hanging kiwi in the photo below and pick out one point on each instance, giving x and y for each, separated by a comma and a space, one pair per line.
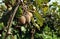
22, 19
28, 18
30, 14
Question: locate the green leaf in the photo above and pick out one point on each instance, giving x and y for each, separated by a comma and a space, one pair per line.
15, 36
8, 37
12, 37
54, 3
23, 29
3, 7
5, 1
14, 23
38, 35
18, 37
39, 18
12, 2
1, 26
46, 28
37, 26
38, 3
45, 9
3, 35
19, 12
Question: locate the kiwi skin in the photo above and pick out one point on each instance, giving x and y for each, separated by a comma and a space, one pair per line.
30, 14
22, 19
28, 18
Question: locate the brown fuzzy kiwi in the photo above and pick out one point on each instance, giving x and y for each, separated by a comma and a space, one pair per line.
28, 18
30, 14
22, 20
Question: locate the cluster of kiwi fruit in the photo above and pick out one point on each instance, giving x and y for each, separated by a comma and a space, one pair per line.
27, 14
26, 18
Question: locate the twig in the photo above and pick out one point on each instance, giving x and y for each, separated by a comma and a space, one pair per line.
32, 37
32, 33
9, 23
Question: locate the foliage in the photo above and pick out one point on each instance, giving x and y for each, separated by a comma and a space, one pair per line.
40, 20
